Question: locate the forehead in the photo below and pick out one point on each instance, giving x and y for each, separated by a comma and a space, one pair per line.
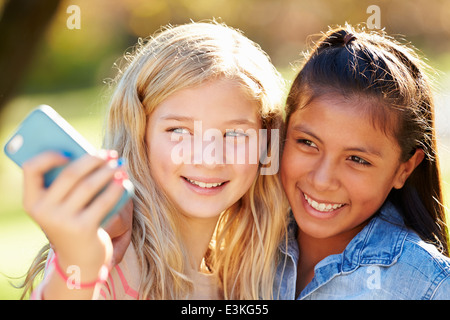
345, 121
220, 100
370, 108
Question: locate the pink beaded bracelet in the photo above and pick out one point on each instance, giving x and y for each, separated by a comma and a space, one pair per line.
103, 275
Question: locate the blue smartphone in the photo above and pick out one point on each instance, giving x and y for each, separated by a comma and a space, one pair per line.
45, 130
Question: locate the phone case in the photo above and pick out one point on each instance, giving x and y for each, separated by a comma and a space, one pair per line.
45, 130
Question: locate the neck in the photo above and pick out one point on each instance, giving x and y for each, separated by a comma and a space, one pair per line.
313, 250
197, 234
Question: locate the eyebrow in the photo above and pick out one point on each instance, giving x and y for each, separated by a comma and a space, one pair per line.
241, 122
177, 118
367, 150
181, 118
303, 129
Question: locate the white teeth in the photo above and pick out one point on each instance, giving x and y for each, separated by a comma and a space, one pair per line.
323, 207
204, 184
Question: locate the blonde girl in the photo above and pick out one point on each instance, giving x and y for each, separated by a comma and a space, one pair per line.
201, 229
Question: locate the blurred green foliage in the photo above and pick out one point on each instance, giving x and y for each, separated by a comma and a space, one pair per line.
73, 58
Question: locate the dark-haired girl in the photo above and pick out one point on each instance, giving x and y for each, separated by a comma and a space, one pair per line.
361, 173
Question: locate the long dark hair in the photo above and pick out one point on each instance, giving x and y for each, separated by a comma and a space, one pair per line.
375, 67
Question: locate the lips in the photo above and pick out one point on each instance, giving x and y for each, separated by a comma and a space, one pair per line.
321, 206
321, 209
205, 183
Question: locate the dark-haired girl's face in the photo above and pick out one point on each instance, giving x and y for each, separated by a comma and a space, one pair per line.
337, 168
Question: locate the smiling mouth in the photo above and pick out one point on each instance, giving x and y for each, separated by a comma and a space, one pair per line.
323, 207
205, 185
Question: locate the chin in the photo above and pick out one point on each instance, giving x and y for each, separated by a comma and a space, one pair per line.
200, 213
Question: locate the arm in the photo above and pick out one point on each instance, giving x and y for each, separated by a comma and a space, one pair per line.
70, 216
119, 230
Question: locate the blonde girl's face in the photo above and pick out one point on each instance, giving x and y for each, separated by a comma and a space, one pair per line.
337, 168
201, 147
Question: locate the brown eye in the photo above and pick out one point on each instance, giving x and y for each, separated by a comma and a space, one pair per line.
359, 160
306, 142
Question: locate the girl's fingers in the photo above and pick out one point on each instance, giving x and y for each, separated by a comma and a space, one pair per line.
83, 193
103, 203
37, 198
33, 176
75, 172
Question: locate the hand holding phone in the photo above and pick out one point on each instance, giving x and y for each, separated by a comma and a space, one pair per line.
45, 130
69, 190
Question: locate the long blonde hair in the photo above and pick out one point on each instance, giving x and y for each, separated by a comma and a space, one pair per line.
248, 233
243, 250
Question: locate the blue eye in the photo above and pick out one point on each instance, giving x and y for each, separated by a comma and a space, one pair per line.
359, 160
179, 130
235, 134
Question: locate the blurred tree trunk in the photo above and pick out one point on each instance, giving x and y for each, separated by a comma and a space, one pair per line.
22, 25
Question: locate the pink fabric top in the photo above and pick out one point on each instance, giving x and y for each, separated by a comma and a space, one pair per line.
123, 281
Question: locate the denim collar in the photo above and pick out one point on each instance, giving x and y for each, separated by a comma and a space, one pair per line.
380, 242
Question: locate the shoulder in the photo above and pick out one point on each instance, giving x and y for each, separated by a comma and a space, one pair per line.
424, 255
426, 267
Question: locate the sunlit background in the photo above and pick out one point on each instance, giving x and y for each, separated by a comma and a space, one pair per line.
69, 68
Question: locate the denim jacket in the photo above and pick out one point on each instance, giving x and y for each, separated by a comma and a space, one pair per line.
385, 260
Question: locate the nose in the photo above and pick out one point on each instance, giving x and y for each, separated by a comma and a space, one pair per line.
208, 151
324, 175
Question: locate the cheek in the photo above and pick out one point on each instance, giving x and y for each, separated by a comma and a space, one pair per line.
245, 174
369, 192
242, 179
160, 158
293, 166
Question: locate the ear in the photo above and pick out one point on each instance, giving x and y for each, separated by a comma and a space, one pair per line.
406, 168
